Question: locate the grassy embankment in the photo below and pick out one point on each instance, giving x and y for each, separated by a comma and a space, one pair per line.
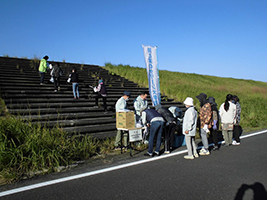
252, 94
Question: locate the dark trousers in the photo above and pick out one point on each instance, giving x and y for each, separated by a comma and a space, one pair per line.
98, 95
156, 129
56, 83
42, 77
169, 136
237, 132
214, 134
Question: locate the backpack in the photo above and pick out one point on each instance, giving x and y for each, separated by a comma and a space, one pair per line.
56, 71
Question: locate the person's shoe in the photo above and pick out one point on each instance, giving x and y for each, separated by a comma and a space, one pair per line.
189, 157
58, 88
196, 155
148, 154
55, 90
235, 143
204, 152
117, 148
125, 148
156, 153
42, 84
215, 148
167, 152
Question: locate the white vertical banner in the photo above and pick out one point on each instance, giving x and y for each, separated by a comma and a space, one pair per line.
150, 54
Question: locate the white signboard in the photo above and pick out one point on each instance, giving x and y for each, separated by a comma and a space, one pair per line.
135, 135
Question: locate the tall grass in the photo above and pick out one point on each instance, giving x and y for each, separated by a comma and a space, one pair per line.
27, 148
176, 85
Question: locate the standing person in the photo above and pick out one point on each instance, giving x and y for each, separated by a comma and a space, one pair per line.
121, 105
215, 123
170, 127
189, 128
75, 83
237, 128
43, 68
227, 113
140, 103
152, 119
55, 73
205, 122
101, 92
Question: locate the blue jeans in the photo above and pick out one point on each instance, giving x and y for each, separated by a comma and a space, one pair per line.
156, 128
42, 77
75, 88
204, 138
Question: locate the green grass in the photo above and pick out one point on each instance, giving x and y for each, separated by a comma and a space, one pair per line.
27, 148
178, 86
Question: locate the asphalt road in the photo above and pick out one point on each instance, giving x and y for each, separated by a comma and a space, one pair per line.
235, 172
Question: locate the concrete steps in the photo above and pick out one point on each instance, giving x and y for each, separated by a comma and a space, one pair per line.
25, 98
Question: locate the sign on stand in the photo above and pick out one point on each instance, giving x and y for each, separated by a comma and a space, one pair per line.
135, 135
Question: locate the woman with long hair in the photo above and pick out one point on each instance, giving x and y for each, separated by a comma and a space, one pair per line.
227, 114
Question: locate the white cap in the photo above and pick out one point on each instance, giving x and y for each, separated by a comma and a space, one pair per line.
189, 101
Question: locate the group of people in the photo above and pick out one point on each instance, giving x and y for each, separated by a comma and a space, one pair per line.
163, 121
229, 114
157, 120
56, 72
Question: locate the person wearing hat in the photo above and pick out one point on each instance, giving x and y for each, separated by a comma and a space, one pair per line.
205, 115
215, 123
42, 68
121, 105
170, 127
101, 91
189, 128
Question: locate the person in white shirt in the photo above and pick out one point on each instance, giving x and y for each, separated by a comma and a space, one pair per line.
121, 105
140, 103
189, 128
227, 114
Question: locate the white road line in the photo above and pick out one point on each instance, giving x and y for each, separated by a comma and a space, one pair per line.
47, 183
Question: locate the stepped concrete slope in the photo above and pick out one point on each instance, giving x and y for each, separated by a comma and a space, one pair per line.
26, 98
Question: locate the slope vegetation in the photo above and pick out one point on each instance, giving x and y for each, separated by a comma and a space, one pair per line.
176, 85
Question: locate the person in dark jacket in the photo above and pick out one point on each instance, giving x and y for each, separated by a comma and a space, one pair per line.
237, 128
56, 73
75, 83
101, 91
215, 122
170, 127
151, 118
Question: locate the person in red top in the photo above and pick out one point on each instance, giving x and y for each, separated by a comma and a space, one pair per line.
205, 115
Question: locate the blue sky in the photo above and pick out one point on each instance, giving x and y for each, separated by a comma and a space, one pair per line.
225, 38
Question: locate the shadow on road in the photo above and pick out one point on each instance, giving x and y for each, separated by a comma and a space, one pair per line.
259, 191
